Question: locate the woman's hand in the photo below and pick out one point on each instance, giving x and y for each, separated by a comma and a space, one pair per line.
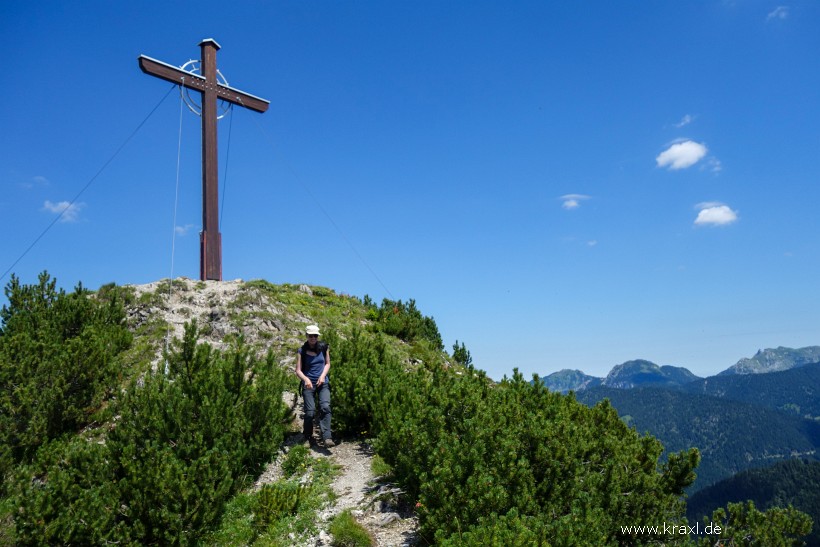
321, 380
308, 384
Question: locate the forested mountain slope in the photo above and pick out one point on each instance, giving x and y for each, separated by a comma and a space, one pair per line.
795, 391
794, 482
731, 435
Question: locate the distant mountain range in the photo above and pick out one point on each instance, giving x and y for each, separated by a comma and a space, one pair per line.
642, 373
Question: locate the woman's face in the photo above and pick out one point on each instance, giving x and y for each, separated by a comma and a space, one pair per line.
312, 339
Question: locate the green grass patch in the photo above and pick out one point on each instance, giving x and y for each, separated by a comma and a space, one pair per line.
283, 513
347, 532
380, 467
296, 461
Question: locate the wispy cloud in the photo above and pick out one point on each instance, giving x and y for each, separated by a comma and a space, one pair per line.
681, 155
779, 13
714, 213
69, 212
38, 181
686, 120
573, 201
183, 230
714, 165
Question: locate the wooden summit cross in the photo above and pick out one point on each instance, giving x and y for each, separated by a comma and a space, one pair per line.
210, 240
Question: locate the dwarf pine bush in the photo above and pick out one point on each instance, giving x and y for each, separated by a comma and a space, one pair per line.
504, 462
277, 500
181, 447
404, 321
58, 363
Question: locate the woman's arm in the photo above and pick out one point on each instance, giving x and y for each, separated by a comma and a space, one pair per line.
300, 374
326, 369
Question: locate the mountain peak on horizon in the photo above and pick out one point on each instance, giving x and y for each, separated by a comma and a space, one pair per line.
640, 372
774, 360
567, 380
634, 373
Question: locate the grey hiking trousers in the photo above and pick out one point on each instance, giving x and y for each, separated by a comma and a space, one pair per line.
309, 396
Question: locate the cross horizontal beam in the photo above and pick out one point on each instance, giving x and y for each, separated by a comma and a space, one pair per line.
199, 83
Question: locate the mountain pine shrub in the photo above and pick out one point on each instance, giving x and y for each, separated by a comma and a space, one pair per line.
744, 524
506, 460
461, 354
405, 321
182, 445
277, 500
58, 363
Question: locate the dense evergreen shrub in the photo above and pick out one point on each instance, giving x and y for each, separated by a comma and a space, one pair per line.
68, 494
181, 446
362, 368
404, 321
508, 460
461, 354
58, 363
744, 524
277, 500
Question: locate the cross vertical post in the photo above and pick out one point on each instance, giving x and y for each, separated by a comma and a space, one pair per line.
207, 83
210, 240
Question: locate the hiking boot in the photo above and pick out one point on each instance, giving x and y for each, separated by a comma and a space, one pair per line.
308, 439
329, 443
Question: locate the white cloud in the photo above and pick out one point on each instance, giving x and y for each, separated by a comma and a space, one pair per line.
573, 201
592, 243
183, 230
69, 212
714, 165
686, 120
714, 214
681, 155
780, 12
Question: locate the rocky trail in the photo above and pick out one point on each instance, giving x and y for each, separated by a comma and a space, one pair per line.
372, 500
373, 503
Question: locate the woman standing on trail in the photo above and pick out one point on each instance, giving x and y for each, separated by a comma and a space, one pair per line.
312, 367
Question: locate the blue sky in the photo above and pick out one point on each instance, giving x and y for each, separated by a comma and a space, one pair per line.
559, 184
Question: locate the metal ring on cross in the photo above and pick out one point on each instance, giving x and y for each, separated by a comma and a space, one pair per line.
193, 106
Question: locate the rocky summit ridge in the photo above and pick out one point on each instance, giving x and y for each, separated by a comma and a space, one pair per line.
267, 317
775, 360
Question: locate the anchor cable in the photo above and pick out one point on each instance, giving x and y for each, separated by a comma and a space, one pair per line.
225, 175
84, 188
318, 202
174, 226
